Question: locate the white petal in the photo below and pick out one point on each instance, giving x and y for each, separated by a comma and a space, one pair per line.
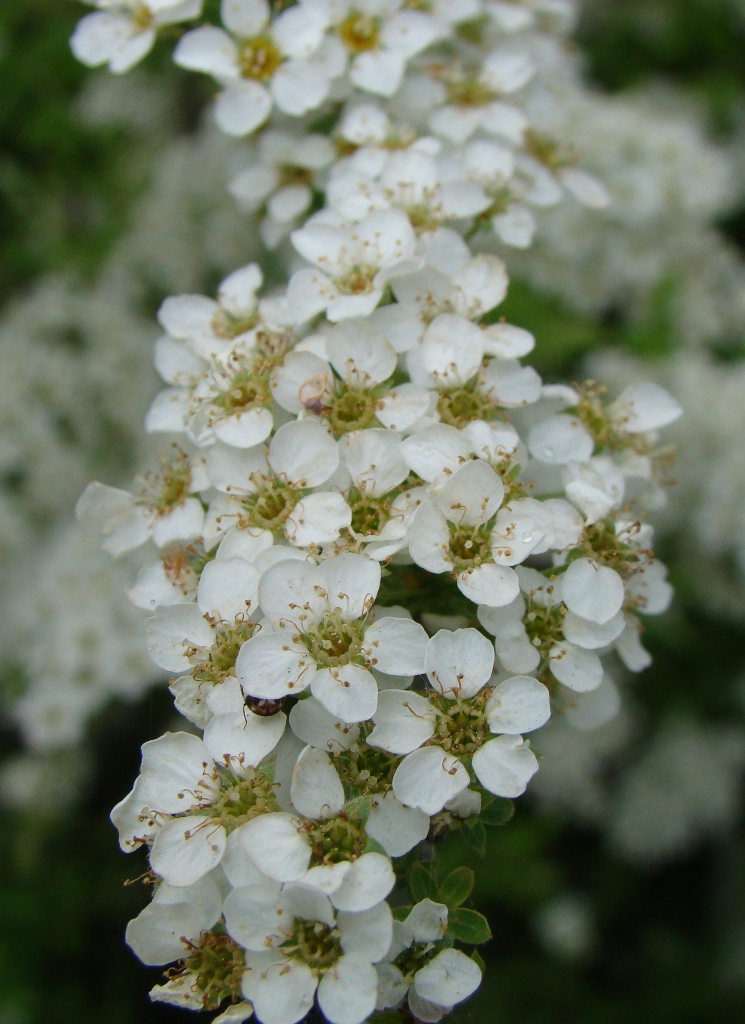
186, 849
318, 519
208, 49
452, 349
398, 829
472, 495
348, 692
282, 991
348, 990
172, 631
244, 18
293, 591
396, 646
271, 666
643, 407
243, 735
316, 789
403, 721
311, 723
448, 979
518, 705
368, 932
242, 107
352, 583
575, 667
489, 584
368, 881
505, 765
255, 917
592, 635
428, 778
427, 922
592, 591
459, 662
275, 846
560, 439
228, 589
304, 452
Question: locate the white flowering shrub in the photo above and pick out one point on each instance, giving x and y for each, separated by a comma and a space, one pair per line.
381, 551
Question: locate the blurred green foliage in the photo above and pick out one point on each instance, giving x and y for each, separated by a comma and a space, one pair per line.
662, 935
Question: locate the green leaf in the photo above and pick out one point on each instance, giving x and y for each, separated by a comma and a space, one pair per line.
400, 913
468, 926
478, 960
474, 835
386, 1017
456, 888
498, 812
422, 883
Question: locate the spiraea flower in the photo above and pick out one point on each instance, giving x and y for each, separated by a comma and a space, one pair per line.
367, 461
324, 637
456, 721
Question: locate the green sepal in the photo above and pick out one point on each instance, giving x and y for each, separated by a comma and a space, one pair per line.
371, 846
497, 812
468, 926
422, 883
478, 960
358, 809
456, 888
474, 835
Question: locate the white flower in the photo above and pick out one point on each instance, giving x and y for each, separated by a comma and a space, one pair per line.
124, 33
192, 795
456, 531
470, 100
203, 639
298, 948
537, 628
261, 64
354, 264
380, 39
176, 916
282, 180
278, 492
324, 638
166, 510
456, 721
211, 327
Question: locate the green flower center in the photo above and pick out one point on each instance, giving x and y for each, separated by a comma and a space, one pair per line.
350, 408
291, 174
366, 770
601, 543
227, 326
212, 665
369, 514
461, 726
336, 840
168, 486
315, 943
259, 58
359, 32
549, 152
544, 626
469, 546
468, 91
242, 797
217, 965
333, 642
359, 280
465, 403
271, 505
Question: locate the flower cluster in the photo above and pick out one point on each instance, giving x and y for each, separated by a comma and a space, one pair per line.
359, 457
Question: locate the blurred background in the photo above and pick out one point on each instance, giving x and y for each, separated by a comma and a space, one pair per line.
617, 893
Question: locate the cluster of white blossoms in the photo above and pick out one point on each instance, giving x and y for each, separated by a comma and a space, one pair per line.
381, 550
